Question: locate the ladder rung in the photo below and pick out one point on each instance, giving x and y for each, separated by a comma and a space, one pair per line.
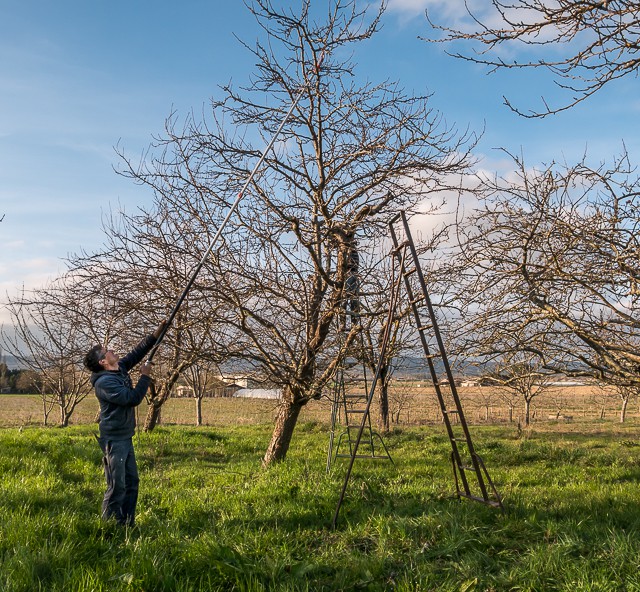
408, 272
431, 356
477, 498
426, 328
356, 411
345, 455
356, 396
400, 246
450, 411
462, 440
466, 468
417, 299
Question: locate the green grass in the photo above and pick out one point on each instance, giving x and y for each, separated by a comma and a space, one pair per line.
211, 519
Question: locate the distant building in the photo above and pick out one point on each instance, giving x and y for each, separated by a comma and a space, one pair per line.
258, 393
219, 390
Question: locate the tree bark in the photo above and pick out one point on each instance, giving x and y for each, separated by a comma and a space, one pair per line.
155, 408
64, 417
282, 432
153, 416
623, 410
198, 411
383, 402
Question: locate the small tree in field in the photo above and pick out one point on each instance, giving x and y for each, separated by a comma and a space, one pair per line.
600, 399
626, 394
202, 378
485, 399
511, 398
48, 338
524, 377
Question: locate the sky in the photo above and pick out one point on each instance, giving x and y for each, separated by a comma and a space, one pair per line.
79, 78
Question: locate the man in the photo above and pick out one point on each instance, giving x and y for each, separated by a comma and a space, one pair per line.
118, 398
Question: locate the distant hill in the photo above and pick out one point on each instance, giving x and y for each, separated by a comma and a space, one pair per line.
417, 367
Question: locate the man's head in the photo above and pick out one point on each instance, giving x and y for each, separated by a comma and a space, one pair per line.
99, 358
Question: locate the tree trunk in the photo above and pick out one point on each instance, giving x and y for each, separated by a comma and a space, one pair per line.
198, 411
527, 412
383, 404
288, 413
623, 410
153, 416
64, 417
156, 401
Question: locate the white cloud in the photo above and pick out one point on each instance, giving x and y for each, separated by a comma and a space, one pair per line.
453, 13
27, 274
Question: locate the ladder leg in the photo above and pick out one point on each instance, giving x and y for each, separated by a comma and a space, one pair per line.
467, 465
383, 348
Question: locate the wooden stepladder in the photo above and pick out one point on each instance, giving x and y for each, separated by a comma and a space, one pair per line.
471, 476
352, 407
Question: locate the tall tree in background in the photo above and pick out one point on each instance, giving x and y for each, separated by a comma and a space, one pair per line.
351, 154
594, 42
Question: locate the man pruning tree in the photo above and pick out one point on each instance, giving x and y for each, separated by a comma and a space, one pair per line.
118, 398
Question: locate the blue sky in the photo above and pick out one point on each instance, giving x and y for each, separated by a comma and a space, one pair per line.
77, 78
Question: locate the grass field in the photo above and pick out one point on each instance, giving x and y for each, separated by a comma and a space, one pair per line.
210, 518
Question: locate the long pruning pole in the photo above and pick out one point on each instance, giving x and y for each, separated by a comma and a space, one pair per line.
232, 209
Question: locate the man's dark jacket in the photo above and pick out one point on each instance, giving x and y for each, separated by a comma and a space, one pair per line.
117, 395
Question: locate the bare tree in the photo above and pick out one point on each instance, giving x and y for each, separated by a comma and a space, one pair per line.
557, 401
510, 398
350, 154
548, 264
132, 283
47, 337
202, 377
485, 399
600, 39
522, 375
626, 394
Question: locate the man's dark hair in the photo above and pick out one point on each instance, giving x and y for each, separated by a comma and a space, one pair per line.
92, 359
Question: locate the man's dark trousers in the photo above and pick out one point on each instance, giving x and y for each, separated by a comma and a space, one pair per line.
121, 473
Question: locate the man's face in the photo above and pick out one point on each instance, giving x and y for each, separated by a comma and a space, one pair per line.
109, 360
